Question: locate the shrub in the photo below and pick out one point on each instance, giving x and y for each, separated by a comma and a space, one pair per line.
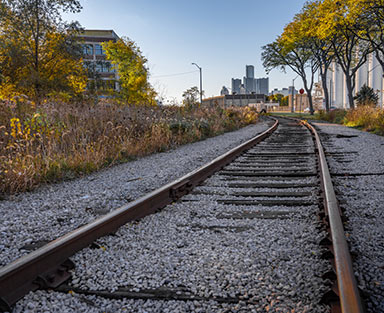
367, 118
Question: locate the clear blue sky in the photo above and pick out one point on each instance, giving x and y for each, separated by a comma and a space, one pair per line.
220, 36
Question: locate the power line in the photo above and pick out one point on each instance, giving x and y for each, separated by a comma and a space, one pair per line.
177, 74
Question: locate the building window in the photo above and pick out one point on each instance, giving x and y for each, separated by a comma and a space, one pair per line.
104, 67
99, 50
88, 49
99, 67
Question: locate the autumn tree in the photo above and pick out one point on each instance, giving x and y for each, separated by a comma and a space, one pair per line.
308, 23
130, 64
297, 55
191, 97
39, 54
337, 24
280, 98
369, 24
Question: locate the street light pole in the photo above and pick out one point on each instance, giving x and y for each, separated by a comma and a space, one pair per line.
201, 83
293, 93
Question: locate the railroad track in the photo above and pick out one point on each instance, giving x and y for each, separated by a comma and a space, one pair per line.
243, 232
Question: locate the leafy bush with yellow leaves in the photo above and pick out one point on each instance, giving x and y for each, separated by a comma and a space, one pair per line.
367, 118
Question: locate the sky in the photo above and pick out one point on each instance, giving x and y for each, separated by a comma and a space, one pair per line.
221, 36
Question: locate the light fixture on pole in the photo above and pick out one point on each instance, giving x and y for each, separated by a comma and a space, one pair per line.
201, 83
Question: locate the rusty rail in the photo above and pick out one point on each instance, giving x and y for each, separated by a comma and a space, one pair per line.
48, 266
347, 291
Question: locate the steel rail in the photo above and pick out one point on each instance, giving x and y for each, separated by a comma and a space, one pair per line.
348, 293
46, 267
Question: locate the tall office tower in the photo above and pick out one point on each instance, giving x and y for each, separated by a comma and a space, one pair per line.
249, 79
249, 85
236, 83
262, 86
249, 71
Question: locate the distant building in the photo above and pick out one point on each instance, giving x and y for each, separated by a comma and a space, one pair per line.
291, 90
283, 91
249, 79
236, 84
250, 71
102, 74
224, 91
262, 86
235, 100
243, 90
370, 74
251, 85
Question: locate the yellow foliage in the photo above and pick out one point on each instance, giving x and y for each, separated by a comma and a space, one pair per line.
130, 64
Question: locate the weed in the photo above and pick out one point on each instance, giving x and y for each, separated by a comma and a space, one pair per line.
65, 140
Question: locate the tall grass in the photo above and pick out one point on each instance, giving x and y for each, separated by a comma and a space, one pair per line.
59, 141
335, 116
367, 118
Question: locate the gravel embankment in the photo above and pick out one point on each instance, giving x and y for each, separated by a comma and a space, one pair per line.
356, 160
265, 258
31, 219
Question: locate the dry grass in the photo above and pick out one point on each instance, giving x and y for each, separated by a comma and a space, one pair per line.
335, 116
60, 141
367, 118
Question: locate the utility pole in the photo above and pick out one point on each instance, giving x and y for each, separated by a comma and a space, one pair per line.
201, 83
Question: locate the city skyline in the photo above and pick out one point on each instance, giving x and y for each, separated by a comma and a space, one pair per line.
217, 36
250, 83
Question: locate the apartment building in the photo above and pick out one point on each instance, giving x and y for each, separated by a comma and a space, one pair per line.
102, 75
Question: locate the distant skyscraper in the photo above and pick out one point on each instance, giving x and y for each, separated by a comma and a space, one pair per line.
236, 83
250, 71
249, 79
262, 86
249, 84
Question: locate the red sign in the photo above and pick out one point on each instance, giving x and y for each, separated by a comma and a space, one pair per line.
301, 91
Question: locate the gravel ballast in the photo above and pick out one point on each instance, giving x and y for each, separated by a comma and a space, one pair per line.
30, 220
160, 250
264, 258
356, 161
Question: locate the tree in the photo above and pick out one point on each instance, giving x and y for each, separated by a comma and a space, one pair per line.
127, 58
191, 97
296, 55
283, 101
38, 52
369, 24
337, 24
308, 23
366, 96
